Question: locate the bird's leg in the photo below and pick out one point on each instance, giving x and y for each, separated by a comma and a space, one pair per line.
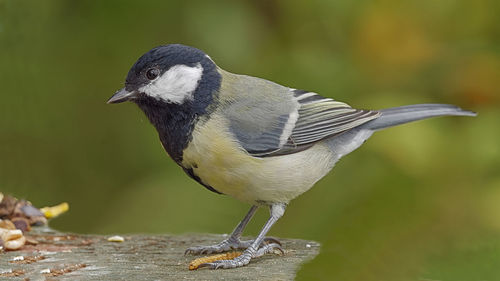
231, 243
254, 250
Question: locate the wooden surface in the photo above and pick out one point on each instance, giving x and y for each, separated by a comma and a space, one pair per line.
139, 257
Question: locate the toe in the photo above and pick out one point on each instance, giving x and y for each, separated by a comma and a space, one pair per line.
215, 264
190, 251
210, 265
269, 248
273, 240
226, 264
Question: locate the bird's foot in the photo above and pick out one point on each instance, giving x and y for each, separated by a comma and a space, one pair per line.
228, 245
245, 258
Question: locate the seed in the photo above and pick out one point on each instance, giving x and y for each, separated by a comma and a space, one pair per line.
12, 239
7, 224
14, 244
116, 238
55, 211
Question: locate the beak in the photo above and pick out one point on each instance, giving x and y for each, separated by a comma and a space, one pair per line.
122, 95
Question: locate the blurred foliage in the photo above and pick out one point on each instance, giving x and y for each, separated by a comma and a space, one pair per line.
417, 202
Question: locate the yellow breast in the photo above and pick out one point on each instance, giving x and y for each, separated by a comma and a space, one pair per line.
219, 161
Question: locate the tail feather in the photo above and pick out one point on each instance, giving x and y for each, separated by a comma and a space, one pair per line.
400, 115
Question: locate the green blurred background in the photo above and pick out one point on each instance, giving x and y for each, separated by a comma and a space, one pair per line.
417, 202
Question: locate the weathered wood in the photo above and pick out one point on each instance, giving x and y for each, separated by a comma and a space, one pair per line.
139, 257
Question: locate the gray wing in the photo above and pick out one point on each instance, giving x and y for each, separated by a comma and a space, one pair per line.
320, 118
257, 110
268, 119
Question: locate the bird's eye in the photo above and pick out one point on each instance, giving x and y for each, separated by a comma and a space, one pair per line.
152, 73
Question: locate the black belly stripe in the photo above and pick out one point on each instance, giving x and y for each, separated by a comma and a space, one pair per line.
190, 172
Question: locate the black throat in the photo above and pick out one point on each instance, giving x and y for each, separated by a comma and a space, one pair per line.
175, 122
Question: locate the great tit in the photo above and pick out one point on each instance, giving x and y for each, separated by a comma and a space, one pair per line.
250, 138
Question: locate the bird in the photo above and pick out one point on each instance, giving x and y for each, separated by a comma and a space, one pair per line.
252, 139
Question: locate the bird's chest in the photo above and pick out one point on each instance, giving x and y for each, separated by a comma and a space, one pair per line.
217, 160
220, 162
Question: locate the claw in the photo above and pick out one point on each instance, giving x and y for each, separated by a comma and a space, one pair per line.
270, 240
210, 264
267, 249
282, 252
227, 245
239, 260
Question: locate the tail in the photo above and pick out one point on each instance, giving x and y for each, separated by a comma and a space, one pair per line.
400, 115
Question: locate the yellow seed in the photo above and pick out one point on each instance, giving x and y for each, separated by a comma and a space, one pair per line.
51, 212
116, 238
14, 244
12, 239
194, 264
10, 234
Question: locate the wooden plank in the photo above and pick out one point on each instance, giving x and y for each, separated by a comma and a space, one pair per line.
139, 257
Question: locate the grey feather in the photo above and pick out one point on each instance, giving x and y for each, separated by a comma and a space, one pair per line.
347, 142
257, 111
399, 115
320, 118
268, 119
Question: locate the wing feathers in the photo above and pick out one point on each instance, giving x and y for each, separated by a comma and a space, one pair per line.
320, 118
268, 119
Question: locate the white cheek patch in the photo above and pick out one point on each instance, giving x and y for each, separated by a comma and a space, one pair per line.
175, 85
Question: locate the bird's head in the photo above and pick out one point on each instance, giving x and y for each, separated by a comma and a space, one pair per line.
171, 74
